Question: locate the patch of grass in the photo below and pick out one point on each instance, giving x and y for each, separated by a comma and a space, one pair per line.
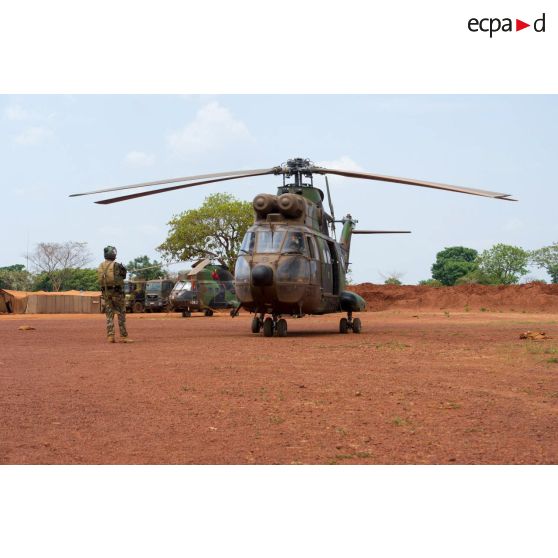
363, 454
537, 348
483, 309
359, 454
187, 388
450, 405
446, 314
467, 308
276, 420
341, 431
553, 360
398, 421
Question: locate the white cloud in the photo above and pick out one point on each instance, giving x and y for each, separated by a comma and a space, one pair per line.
16, 112
343, 163
139, 159
33, 135
213, 128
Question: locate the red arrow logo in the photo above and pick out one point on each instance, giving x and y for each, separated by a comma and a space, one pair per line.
519, 25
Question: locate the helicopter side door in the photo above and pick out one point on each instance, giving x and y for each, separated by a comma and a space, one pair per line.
334, 268
327, 275
314, 261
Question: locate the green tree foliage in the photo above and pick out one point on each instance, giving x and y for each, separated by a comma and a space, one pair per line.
74, 279
505, 263
392, 281
453, 263
477, 277
15, 278
547, 258
431, 283
214, 231
143, 268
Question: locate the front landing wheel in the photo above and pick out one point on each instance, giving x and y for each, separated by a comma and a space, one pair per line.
268, 327
343, 325
281, 328
357, 325
256, 325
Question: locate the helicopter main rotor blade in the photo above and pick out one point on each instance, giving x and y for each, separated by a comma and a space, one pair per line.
381, 232
413, 182
178, 187
232, 174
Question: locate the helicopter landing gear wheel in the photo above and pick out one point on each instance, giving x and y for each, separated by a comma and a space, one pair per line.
256, 324
208, 313
281, 328
343, 325
357, 325
268, 327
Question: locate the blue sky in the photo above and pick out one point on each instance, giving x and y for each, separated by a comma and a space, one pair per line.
55, 145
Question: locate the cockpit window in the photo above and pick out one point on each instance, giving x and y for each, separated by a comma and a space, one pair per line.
269, 241
294, 243
248, 243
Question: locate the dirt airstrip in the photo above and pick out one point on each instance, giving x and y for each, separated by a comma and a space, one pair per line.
418, 385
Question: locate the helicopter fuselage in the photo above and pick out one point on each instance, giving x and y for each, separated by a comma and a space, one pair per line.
287, 265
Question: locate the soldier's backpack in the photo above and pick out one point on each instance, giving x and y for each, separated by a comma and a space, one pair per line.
109, 274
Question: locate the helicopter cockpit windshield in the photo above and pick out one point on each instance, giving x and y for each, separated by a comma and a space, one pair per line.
294, 244
269, 241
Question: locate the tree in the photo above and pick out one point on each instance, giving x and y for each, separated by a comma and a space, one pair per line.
477, 277
143, 268
547, 258
392, 278
213, 231
57, 261
453, 263
75, 279
15, 277
505, 263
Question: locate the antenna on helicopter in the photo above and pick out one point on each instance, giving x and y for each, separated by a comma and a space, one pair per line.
330, 208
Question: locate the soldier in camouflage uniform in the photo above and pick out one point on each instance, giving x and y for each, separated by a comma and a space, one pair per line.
111, 275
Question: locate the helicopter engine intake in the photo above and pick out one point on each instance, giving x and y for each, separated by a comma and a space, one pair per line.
290, 205
264, 204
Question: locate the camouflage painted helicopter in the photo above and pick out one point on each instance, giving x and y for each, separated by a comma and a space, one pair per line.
290, 263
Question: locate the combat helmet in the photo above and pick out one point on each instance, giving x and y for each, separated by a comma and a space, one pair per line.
110, 253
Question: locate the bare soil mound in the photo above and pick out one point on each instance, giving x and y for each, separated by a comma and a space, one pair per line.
531, 297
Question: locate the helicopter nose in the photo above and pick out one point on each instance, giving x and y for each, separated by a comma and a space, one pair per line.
262, 276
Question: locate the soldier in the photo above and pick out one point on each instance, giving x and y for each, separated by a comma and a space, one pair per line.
111, 275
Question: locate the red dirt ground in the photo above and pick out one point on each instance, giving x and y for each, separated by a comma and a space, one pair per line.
414, 387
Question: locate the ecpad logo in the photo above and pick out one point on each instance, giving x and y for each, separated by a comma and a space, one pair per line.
493, 25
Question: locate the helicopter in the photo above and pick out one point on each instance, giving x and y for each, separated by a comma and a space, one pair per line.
290, 262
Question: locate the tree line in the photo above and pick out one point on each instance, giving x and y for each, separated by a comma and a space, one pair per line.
215, 230
502, 264
63, 267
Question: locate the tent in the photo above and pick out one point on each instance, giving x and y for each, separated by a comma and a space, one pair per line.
41, 302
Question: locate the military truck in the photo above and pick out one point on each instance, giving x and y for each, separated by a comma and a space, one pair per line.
157, 293
207, 287
134, 295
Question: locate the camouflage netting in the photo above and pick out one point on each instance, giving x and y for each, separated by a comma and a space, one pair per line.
531, 297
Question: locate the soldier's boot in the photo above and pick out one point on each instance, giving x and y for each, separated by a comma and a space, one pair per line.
126, 340
110, 339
